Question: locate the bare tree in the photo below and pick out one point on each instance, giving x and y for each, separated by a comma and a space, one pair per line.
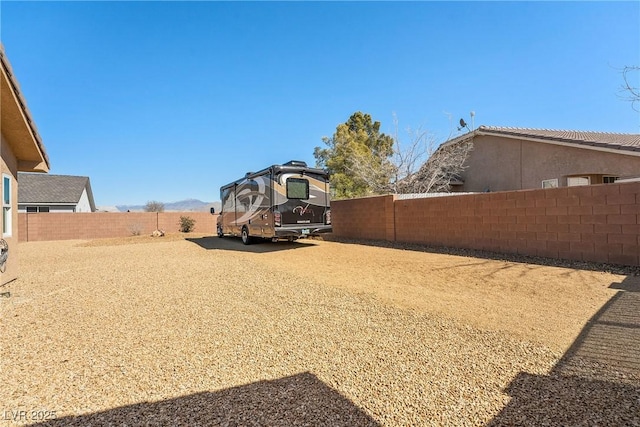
420, 166
409, 157
373, 169
384, 172
424, 165
444, 165
631, 91
154, 206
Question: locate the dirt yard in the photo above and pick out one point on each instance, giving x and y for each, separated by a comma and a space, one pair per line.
197, 330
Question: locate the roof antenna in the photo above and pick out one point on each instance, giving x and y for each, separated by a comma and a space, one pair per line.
463, 124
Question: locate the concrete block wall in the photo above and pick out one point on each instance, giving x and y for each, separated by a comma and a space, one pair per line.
598, 223
369, 217
66, 226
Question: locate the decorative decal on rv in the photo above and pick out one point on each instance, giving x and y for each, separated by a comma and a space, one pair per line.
303, 210
250, 195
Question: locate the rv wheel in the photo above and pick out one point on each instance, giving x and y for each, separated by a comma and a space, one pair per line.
246, 239
220, 233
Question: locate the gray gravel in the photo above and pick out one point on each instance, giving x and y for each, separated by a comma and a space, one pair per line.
169, 333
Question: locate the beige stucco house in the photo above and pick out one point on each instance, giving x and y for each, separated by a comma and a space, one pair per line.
21, 149
504, 158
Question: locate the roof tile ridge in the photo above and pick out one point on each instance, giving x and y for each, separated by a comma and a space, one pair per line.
514, 128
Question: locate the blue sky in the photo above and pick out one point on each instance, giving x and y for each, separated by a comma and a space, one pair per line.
170, 100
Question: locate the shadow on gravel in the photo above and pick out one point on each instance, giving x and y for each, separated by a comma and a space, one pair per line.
597, 381
235, 244
487, 255
300, 399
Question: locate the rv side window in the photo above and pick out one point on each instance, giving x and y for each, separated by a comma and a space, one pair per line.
297, 188
227, 196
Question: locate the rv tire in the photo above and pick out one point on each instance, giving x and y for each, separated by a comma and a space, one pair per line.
220, 233
246, 239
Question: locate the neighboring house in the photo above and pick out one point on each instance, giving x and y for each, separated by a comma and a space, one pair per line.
54, 193
107, 209
21, 149
504, 158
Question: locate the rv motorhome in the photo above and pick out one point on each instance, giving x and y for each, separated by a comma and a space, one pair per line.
288, 201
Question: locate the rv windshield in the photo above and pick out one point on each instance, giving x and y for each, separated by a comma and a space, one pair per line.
297, 188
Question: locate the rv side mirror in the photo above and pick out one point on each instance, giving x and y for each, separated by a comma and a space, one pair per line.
212, 210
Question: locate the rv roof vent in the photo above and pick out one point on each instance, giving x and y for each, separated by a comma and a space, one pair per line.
248, 173
296, 163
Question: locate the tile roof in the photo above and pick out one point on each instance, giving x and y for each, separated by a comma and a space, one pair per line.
42, 188
616, 141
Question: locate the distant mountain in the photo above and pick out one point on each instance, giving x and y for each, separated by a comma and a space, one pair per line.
188, 205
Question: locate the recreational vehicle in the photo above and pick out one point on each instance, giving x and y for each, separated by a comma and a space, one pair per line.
288, 201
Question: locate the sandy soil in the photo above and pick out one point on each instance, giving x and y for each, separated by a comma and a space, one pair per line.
197, 330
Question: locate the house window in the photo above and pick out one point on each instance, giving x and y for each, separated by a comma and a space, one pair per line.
609, 179
574, 181
550, 183
34, 209
6, 205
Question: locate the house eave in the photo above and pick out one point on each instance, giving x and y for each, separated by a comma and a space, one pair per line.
17, 125
46, 204
595, 146
92, 203
32, 166
554, 141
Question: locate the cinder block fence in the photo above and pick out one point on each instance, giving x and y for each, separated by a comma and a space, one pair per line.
599, 223
66, 226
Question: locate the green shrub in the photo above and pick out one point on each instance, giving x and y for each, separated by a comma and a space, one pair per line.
187, 224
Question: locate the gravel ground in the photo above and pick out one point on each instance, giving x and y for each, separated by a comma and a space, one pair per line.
206, 331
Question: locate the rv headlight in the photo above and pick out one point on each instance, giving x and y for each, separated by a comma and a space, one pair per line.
277, 218
328, 217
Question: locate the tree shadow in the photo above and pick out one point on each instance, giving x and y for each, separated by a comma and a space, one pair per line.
301, 399
597, 381
257, 247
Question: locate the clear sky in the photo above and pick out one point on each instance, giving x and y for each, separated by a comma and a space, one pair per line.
170, 100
